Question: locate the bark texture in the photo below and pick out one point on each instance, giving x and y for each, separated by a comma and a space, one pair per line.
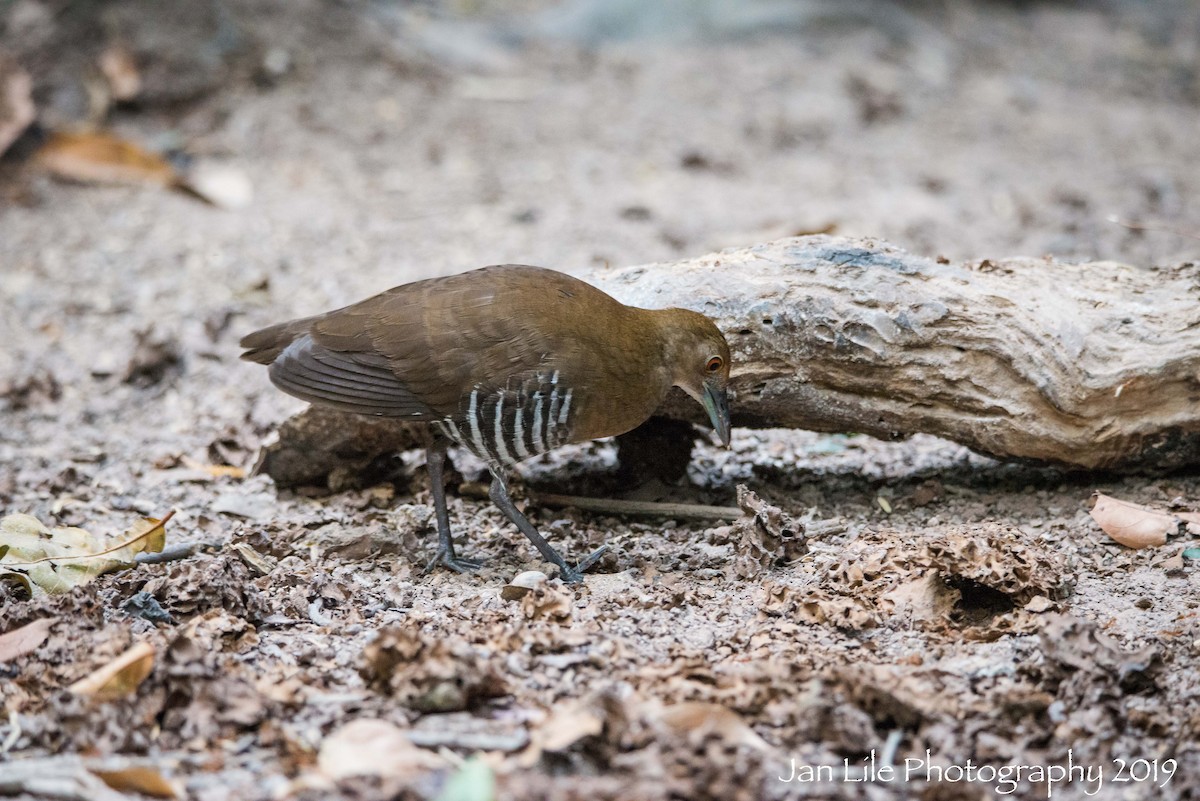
1087, 365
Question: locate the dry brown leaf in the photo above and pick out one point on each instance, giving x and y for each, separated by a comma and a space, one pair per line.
699, 719
215, 470
141, 779
18, 642
102, 158
1129, 524
118, 678
763, 537
568, 725
368, 747
548, 602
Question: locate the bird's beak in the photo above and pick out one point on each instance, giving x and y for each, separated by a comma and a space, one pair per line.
716, 403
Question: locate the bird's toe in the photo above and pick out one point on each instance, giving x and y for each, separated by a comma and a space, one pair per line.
459, 564
574, 575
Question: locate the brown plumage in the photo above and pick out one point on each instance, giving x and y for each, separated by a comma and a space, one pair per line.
508, 361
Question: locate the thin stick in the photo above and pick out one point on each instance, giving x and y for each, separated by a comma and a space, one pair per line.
1162, 229
172, 553
612, 506
691, 511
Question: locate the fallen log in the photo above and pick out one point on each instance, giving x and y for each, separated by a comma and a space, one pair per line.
1094, 366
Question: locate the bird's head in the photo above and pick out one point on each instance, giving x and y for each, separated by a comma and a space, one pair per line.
700, 358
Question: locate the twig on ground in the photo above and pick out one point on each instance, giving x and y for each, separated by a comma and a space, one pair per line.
614, 506
172, 553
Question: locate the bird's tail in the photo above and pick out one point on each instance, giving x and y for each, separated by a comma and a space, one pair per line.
264, 345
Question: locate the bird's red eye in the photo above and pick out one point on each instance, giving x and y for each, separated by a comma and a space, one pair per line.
715, 364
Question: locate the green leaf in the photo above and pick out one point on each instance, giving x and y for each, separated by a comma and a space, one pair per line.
472, 782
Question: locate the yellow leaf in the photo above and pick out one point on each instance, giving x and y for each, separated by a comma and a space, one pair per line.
57, 560
120, 677
215, 470
138, 779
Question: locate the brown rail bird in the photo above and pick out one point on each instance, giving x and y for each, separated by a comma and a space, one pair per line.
506, 361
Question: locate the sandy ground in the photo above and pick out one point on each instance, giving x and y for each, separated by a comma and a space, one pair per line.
946, 604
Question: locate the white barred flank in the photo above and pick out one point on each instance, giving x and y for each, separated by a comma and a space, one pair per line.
519, 435
498, 443
511, 425
539, 444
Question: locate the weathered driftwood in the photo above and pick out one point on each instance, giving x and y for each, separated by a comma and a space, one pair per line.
1089, 365
1085, 365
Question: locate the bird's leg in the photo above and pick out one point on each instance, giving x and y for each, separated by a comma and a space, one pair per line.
435, 460
499, 495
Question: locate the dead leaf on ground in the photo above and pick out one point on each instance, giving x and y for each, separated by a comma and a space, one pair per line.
103, 158
58, 560
425, 672
120, 677
764, 536
142, 779
550, 601
18, 642
369, 747
214, 470
1129, 524
697, 720
1073, 643
570, 723
1188, 517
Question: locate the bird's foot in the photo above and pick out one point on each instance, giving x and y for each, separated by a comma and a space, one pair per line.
574, 575
459, 564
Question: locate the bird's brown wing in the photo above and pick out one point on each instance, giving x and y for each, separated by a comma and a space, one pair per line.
353, 381
417, 351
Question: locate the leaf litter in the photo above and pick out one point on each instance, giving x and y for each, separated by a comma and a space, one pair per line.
929, 619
